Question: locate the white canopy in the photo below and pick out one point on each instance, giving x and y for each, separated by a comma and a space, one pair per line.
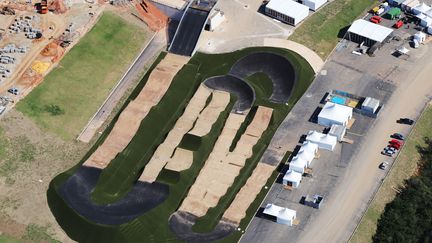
293, 177
324, 141
425, 20
369, 30
310, 147
422, 8
298, 164
334, 114
306, 155
283, 215
289, 8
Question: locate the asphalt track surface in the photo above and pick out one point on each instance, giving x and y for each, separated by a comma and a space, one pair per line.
244, 92
188, 32
76, 191
181, 224
279, 69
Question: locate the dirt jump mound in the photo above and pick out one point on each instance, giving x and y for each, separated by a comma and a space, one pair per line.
181, 224
76, 191
244, 92
279, 69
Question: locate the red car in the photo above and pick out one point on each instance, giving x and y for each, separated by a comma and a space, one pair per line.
394, 141
398, 24
375, 19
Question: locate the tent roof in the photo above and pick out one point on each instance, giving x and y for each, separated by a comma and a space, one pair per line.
288, 8
422, 8
329, 139
313, 136
287, 214
292, 176
370, 30
335, 112
308, 146
306, 155
298, 162
272, 209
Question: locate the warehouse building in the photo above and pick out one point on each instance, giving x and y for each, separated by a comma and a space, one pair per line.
367, 32
287, 11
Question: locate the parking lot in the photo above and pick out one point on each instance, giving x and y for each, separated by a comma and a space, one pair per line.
377, 77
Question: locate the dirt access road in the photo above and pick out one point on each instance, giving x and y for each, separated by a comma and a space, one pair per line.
338, 219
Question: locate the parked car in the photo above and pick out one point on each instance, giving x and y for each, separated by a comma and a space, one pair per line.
398, 24
383, 165
395, 146
398, 136
405, 121
387, 152
392, 148
14, 91
375, 19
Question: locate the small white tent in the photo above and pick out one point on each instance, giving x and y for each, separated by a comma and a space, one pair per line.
292, 178
420, 37
298, 164
283, 215
334, 114
324, 141
422, 8
309, 150
314, 4
338, 131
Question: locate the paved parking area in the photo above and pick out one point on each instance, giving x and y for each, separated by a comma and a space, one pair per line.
377, 77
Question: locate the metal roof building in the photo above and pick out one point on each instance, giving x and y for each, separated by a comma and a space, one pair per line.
287, 11
367, 32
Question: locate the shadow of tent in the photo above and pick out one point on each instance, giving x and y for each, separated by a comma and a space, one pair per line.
314, 116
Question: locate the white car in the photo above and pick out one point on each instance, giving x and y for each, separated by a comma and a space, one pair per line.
383, 165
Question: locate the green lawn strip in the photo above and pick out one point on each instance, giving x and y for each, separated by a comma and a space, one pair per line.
8, 239
321, 31
153, 226
84, 77
404, 168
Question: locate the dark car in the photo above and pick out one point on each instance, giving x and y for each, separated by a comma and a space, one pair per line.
383, 165
398, 136
14, 91
405, 121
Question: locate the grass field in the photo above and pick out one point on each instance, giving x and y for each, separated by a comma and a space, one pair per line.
72, 92
404, 168
324, 28
119, 176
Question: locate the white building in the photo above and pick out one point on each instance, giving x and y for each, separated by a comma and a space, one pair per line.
367, 32
283, 215
420, 37
422, 8
338, 131
408, 5
425, 20
324, 141
287, 11
215, 20
314, 4
333, 113
292, 178
370, 105
298, 164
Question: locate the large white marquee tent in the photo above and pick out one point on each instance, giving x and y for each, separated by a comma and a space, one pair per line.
283, 215
334, 114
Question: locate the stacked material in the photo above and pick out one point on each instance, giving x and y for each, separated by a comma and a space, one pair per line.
130, 119
223, 166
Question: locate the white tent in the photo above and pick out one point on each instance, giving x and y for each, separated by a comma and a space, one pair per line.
298, 164
324, 141
409, 4
422, 8
429, 30
362, 30
283, 215
286, 216
287, 11
424, 20
308, 156
292, 178
338, 131
314, 4
420, 37
334, 114
309, 147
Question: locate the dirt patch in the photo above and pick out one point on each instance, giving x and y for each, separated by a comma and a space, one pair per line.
31, 158
130, 119
247, 194
151, 15
221, 169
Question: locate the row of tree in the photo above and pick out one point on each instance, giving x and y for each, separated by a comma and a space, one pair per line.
408, 218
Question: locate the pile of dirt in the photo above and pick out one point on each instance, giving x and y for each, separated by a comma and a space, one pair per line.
58, 7
53, 50
154, 18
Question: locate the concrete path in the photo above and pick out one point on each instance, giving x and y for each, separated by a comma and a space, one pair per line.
157, 42
314, 60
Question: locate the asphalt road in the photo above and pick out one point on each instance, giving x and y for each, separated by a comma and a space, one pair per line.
157, 42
